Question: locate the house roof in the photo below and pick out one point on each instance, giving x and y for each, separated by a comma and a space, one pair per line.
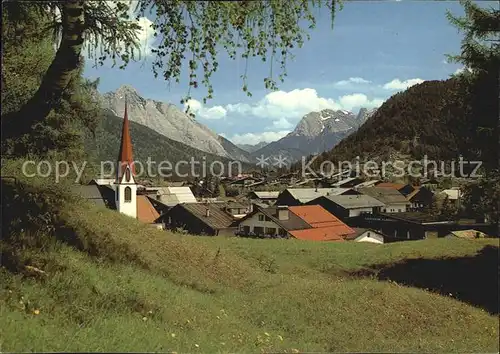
324, 226
305, 195
172, 196
452, 194
345, 180
266, 195
145, 210
99, 195
358, 231
176, 183
355, 201
468, 234
233, 205
103, 181
293, 223
397, 186
217, 218
320, 234
414, 193
368, 183
385, 195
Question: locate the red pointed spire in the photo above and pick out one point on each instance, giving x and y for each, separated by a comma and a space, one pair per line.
125, 156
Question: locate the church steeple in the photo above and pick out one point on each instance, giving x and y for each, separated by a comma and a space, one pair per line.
125, 156
126, 187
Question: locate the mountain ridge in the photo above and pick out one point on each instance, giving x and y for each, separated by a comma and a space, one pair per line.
165, 118
316, 132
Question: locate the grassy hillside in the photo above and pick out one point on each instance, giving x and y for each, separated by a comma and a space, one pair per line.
112, 283
147, 143
425, 119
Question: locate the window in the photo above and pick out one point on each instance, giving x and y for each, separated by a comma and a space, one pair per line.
128, 194
268, 218
261, 217
270, 230
281, 232
368, 234
127, 174
258, 230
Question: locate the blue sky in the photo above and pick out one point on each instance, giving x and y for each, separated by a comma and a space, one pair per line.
374, 50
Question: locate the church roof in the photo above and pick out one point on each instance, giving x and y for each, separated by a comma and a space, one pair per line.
125, 156
146, 212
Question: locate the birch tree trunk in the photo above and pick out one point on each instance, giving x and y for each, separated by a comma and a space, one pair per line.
57, 77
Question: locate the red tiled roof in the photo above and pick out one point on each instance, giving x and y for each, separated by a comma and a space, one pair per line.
315, 215
145, 210
318, 234
325, 226
397, 186
125, 155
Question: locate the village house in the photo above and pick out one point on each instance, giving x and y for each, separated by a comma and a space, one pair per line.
324, 225
339, 175
429, 183
310, 222
402, 188
244, 182
348, 206
263, 197
300, 196
348, 182
453, 194
103, 181
416, 225
366, 235
235, 209
101, 195
199, 219
394, 201
123, 195
289, 178
171, 196
467, 234
370, 183
419, 199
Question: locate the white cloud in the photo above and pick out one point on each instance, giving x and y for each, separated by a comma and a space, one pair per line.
255, 138
359, 100
292, 105
284, 109
352, 80
461, 70
215, 112
282, 123
145, 35
397, 84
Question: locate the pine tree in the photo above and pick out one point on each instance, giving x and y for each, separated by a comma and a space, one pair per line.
481, 56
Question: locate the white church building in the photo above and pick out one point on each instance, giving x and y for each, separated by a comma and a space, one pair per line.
121, 193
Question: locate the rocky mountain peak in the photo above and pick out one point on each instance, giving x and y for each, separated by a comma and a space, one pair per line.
166, 119
326, 120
